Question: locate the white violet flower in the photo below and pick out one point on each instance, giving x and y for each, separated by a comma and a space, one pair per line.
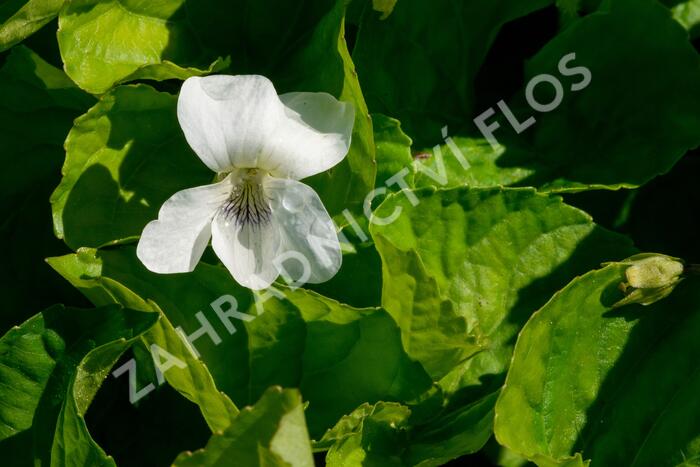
261, 220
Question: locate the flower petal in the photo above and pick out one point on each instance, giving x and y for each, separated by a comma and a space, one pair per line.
240, 122
306, 230
228, 119
248, 251
326, 140
175, 242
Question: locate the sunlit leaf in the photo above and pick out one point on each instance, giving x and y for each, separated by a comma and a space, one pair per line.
617, 386
146, 40
474, 264
270, 433
20, 19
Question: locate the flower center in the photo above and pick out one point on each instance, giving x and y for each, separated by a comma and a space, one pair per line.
247, 204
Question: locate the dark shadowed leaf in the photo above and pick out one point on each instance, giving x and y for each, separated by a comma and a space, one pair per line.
299, 340
419, 64
124, 158
634, 120
37, 109
52, 366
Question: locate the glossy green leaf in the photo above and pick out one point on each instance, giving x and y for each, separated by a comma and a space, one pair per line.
52, 366
393, 152
146, 40
465, 268
124, 158
100, 283
20, 19
419, 63
386, 434
443, 166
359, 350
456, 162
370, 435
297, 339
270, 433
631, 123
616, 385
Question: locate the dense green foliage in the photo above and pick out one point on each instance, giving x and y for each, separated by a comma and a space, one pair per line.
482, 323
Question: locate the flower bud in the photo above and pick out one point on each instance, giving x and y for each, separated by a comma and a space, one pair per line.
650, 277
653, 272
